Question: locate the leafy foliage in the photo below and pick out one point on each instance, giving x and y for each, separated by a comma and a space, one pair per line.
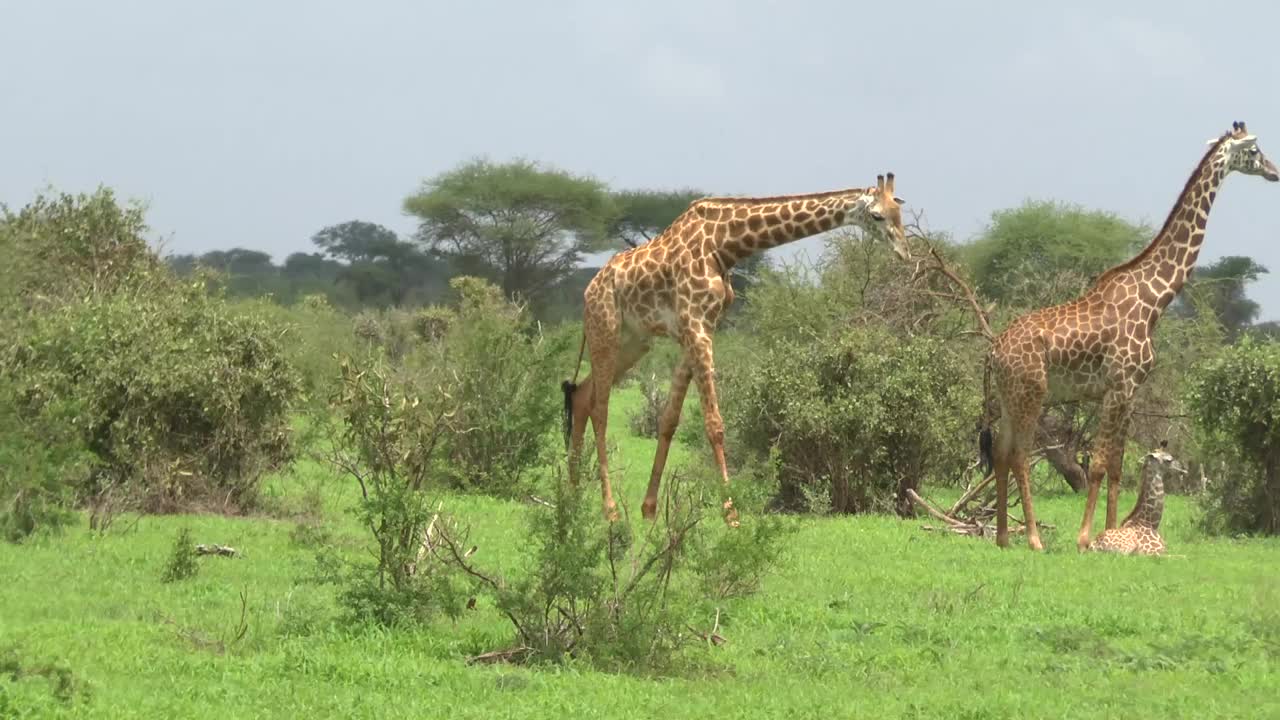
643, 214
596, 592
520, 225
176, 392
41, 465
1220, 287
70, 246
506, 379
1045, 252
182, 562
1235, 403
844, 415
393, 427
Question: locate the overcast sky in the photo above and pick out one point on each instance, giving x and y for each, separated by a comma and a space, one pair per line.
257, 123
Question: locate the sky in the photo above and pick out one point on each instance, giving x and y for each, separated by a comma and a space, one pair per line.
255, 124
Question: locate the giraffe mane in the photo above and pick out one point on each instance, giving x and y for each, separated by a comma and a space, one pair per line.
782, 198
1168, 221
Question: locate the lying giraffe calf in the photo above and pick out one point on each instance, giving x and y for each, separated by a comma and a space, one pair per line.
1139, 534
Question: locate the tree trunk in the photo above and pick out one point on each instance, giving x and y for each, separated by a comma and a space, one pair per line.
1063, 460
1271, 493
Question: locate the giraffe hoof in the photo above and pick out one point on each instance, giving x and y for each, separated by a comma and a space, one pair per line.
1082, 543
649, 510
611, 514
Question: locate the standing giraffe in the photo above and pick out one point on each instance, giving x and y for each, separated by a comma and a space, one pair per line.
1098, 346
677, 285
1139, 534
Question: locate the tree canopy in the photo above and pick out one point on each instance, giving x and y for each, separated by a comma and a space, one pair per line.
1044, 252
520, 224
643, 214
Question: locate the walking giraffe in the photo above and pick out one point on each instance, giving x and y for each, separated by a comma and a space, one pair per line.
677, 285
1099, 346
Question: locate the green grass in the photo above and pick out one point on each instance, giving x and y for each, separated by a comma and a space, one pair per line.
869, 617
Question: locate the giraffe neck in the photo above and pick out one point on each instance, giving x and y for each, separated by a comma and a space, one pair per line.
1150, 506
741, 228
1161, 269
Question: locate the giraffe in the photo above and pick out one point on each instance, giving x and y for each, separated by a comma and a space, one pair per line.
1098, 347
677, 285
1139, 534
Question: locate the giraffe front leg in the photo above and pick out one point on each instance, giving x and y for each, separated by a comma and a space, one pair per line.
1107, 458
1097, 468
704, 371
666, 431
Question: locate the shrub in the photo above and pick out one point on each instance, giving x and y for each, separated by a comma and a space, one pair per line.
506, 376
182, 562
176, 394
41, 465
596, 592
644, 419
861, 415
71, 246
1234, 400
393, 427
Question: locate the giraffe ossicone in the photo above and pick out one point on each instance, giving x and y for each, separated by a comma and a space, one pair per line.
678, 286
1099, 346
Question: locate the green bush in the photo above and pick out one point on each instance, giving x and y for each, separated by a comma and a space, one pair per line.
1234, 399
177, 394
41, 466
182, 563
860, 415
506, 374
72, 246
597, 592
393, 428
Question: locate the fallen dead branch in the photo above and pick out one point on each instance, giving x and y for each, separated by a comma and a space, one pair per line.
221, 550
510, 655
978, 525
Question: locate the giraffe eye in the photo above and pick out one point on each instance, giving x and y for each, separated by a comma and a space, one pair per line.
1253, 150
877, 216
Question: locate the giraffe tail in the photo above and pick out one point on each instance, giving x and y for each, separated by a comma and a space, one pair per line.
985, 439
569, 387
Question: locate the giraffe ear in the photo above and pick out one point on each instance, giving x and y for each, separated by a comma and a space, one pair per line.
899, 200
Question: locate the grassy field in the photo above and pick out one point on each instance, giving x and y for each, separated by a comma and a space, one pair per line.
869, 617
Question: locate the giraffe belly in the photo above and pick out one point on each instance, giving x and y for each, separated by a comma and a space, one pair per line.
659, 322
1066, 384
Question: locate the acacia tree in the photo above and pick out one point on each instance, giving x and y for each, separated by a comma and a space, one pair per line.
642, 215
519, 224
380, 266
1044, 252
1220, 286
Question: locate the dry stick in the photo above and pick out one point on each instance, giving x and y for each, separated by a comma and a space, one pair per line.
932, 510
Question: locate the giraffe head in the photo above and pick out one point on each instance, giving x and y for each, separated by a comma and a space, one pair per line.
1240, 153
885, 212
1163, 461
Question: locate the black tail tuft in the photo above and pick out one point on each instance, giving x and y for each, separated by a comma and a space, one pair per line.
984, 449
569, 388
